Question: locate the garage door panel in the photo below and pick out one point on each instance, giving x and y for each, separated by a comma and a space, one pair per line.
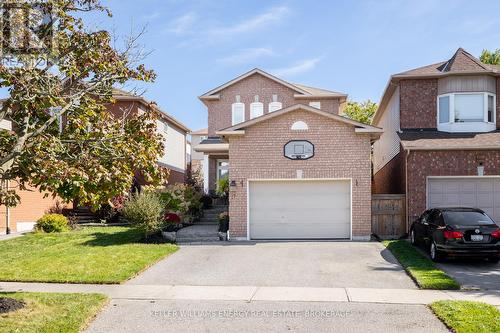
299, 209
482, 193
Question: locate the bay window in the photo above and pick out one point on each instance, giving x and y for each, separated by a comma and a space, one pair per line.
466, 112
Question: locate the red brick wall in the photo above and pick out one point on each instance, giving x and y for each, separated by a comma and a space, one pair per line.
176, 177
33, 206
418, 103
219, 112
339, 153
422, 164
391, 178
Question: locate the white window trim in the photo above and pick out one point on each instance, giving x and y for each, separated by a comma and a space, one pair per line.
256, 110
233, 109
275, 106
478, 127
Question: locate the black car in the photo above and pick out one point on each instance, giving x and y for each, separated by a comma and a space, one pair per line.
457, 232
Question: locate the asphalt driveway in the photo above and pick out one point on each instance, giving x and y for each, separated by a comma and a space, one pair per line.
280, 264
475, 274
470, 273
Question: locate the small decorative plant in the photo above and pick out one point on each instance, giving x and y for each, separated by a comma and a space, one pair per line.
51, 223
224, 222
223, 188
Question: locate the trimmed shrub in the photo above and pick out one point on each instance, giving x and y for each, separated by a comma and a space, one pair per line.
52, 223
145, 211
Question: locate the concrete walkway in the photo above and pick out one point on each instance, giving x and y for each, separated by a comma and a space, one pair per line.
254, 294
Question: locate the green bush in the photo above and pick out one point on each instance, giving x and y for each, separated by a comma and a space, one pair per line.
52, 223
145, 211
223, 187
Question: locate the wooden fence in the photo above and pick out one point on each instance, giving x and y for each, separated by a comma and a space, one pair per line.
389, 215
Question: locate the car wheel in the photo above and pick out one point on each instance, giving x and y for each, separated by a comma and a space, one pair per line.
494, 260
413, 238
436, 255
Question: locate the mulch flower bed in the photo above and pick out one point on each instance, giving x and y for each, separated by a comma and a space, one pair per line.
10, 305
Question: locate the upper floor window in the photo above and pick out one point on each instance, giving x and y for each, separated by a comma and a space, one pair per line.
316, 105
275, 105
238, 111
256, 108
467, 112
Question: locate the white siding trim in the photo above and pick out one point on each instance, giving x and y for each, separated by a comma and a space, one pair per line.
388, 146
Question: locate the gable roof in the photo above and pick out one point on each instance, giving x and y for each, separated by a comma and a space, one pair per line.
461, 63
122, 95
301, 90
239, 129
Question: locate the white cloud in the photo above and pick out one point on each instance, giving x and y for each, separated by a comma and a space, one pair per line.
182, 24
297, 68
246, 56
270, 16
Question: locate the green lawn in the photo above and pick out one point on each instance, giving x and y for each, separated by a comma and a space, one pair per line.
89, 255
468, 317
420, 268
51, 312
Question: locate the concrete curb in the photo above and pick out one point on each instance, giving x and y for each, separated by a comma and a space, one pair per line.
255, 294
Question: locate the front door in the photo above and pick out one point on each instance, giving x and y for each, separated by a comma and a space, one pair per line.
222, 169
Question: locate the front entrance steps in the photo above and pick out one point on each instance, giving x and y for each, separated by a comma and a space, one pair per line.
210, 216
206, 230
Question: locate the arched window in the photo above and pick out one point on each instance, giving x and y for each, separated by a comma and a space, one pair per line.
256, 108
299, 126
275, 105
238, 111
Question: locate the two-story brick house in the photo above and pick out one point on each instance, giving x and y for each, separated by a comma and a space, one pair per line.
297, 168
441, 144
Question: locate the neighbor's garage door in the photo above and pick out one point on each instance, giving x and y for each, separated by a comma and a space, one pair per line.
483, 193
300, 209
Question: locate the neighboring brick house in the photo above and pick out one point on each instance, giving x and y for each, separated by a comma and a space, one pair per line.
34, 204
173, 131
297, 169
441, 144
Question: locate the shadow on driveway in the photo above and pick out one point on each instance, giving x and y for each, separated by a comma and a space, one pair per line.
471, 273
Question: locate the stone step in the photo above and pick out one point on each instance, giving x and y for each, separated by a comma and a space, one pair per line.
208, 219
206, 223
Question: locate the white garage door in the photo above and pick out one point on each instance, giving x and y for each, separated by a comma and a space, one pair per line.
300, 209
476, 192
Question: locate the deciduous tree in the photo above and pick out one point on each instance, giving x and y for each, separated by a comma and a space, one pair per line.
63, 139
362, 112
